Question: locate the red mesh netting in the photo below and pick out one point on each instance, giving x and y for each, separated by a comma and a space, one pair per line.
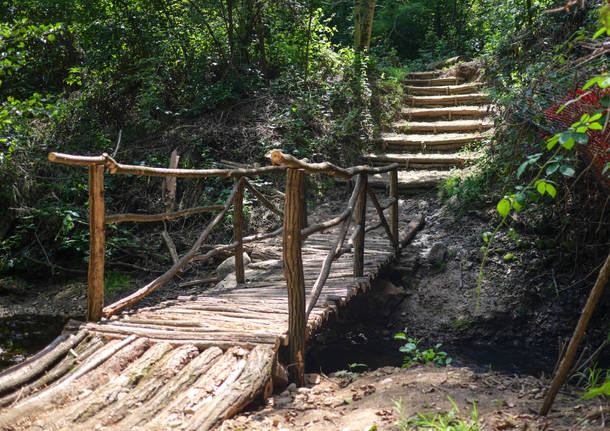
599, 143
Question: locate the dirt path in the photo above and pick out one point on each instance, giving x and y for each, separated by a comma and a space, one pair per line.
372, 399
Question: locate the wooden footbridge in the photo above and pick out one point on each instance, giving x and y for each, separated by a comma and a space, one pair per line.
191, 362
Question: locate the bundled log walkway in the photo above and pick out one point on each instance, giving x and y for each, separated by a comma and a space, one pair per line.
443, 114
191, 362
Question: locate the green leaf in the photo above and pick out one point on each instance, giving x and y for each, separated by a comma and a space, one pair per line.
569, 144
581, 138
550, 169
541, 187
551, 142
503, 207
595, 126
51, 37
599, 32
567, 170
516, 205
591, 82
522, 168
551, 190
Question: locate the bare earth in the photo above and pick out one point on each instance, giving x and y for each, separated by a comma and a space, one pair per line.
370, 400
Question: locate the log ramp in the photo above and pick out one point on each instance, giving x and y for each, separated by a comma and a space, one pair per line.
192, 362
443, 114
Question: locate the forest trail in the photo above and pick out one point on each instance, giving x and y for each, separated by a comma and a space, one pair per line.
443, 115
187, 363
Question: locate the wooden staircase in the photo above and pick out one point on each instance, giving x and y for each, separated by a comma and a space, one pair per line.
443, 113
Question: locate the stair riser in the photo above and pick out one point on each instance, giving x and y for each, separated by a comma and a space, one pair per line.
432, 82
423, 75
426, 166
417, 146
442, 117
441, 91
444, 128
423, 102
409, 186
472, 115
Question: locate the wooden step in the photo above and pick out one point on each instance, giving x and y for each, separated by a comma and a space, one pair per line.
455, 100
423, 161
413, 180
440, 142
443, 89
442, 126
447, 80
424, 75
447, 113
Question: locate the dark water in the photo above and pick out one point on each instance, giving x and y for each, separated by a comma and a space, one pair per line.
479, 357
24, 335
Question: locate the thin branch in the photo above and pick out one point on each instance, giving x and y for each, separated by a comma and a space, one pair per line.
146, 218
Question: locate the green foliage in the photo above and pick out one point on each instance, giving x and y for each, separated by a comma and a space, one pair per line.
593, 377
114, 280
413, 354
443, 421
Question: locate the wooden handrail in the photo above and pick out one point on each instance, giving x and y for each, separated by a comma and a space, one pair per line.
118, 168
285, 160
384, 222
330, 257
293, 229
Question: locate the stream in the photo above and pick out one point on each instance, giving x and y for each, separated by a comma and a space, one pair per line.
24, 335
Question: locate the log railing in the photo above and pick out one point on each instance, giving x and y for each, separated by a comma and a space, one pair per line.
294, 230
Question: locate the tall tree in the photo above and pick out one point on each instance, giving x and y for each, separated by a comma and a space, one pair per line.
364, 11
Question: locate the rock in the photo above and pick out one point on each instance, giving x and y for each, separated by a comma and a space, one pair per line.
282, 401
229, 282
437, 254
292, 387
312, 379
266, 264
227, 266
422, 205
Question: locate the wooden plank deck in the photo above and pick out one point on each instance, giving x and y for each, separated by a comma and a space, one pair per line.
183, 364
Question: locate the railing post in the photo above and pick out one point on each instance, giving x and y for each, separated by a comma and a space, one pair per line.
394, 206
238, 231
304, 212
293, 272
360, 220
97, 239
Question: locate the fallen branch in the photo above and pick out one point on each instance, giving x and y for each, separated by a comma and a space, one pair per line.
54, 266
200, 281
416, 224
146, 218
170, 246
165, 277
264, 200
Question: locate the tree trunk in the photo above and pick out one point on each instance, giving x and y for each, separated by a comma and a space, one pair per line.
357, 25
367, 24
